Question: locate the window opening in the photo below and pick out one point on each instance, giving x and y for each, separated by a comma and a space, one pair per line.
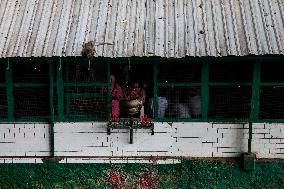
3, 103
230, 89
272, 71
31, 102
3, 97
30, 80
131, 89
230, 103
179, 89
26, 71
234, 71
272, 102
85, 94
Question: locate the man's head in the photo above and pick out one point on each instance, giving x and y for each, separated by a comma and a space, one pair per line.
112, 79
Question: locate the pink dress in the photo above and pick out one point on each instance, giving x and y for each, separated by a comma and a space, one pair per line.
115, 96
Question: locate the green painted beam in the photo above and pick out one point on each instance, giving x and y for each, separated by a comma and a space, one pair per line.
84, 84
272, 84
51, 130
250, 137
83, 118
84, 95
228, 84
179, 84
205, 91
180, 120
30, 84
108, 97
255, 92
9, 91
60, 92
108, 90
155, 89
32, 119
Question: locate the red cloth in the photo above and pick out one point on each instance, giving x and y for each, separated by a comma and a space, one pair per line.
115, 96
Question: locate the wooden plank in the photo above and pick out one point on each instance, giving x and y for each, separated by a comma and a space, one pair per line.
139, 39
159, 29
82, 26
200, 28
74, 17
170, 25
239, 29
180, 28
230, 29
49, 29
126, 33
133, 28
42, 30
8, 30
101, 28
110, 28
211, 43
150, 28
52, 39
22, 28
6, 22
120, 27
196, 27
94, 20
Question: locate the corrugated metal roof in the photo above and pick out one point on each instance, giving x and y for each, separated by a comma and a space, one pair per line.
124, 28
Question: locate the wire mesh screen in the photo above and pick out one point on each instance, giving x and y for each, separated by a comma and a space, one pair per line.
2, 72
181, 72
272, 72
30, 72
230, 71
229, 103
87, 94
85, 72
86, 101
3, 103
55, 101
179, 102
272, 103
31, 102
91, 107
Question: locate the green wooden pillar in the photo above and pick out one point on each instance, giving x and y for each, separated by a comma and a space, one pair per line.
9, 91
108, 90
205, 91
155, 92
255, 92
254, 101
60, 92
108, 97
51, 130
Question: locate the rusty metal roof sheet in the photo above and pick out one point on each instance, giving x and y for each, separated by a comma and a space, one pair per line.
124, 28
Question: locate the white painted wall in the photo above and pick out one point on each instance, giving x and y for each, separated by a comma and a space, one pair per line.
176, 139
24, 139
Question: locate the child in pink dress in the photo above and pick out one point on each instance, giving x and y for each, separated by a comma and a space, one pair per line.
115, 96
138, 93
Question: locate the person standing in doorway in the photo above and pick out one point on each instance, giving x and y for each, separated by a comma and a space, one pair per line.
115, 96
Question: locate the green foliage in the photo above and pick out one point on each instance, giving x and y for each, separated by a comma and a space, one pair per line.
188, 174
